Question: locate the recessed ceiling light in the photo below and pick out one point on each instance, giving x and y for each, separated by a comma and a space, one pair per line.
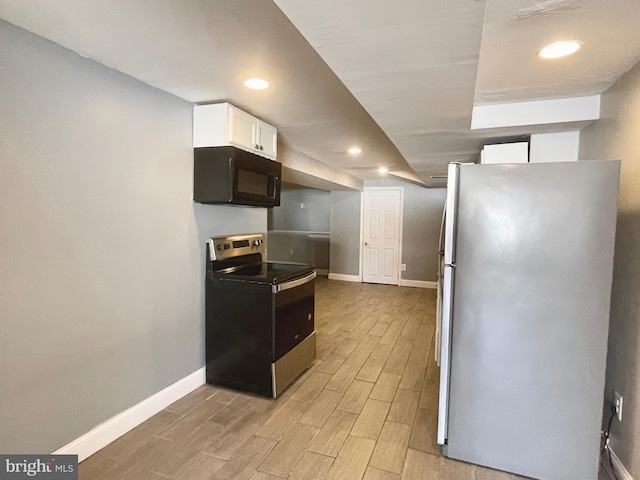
354, 150
383, 170
560, 49
256, 84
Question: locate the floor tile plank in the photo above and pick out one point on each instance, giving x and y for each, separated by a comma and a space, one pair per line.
421, 466
95, 466
371, 370
404, 406
287, 452
355, 397
425, 429
311, 466
412, 378
342, 379
244, 462
192, 400
352, 460
397, 360
227, 445
278, 424
331, 437
311, 387
375, 474
191, 421
386, 386
321, 408
200, 467
391, 448
122, 448
331, 363
371, 419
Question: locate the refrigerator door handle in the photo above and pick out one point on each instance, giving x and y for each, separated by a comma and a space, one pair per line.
447, 301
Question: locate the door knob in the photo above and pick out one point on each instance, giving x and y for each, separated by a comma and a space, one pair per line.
366, 244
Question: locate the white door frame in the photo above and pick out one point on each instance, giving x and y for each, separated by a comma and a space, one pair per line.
400, 226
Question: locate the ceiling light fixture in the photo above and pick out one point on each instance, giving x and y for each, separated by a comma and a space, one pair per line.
560, 49
383, 170
256, 84
354, 150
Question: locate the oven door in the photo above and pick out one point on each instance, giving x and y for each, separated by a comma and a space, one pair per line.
294, 313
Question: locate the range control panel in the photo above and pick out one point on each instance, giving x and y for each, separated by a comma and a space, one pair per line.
227, 247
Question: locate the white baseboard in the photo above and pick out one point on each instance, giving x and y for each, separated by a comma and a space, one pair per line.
108, 431
344, 278
418, 283
619, 467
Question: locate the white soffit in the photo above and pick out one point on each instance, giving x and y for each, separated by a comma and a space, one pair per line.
541, 112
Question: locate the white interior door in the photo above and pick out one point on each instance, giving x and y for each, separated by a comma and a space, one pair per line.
382, 213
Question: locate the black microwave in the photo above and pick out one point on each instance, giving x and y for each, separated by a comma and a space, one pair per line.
233, 176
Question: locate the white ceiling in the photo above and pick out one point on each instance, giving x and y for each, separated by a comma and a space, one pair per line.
398, 79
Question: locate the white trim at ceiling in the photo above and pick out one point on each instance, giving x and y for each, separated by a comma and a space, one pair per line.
541, 112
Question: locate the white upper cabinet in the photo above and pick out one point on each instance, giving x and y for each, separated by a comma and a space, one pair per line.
267, 139
517, 152
223, 124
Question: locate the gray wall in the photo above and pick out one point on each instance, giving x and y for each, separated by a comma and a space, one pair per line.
314, 217
422, 215
299, 234
101, 258
616, 136
306, 248
344, 254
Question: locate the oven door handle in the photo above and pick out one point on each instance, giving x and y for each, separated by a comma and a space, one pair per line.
294, 283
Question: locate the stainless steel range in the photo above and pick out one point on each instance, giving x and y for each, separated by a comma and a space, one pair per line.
259, 317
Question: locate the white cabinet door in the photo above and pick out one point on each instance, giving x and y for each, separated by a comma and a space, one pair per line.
267, 139
241, 129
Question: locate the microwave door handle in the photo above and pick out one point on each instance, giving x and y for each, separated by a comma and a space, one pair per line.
273, 182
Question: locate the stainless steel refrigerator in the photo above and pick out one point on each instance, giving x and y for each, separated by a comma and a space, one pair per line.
525, 292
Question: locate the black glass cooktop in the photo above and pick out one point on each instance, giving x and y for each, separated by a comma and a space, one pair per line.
267, 273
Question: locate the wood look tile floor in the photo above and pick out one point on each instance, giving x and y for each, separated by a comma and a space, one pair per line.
366, 409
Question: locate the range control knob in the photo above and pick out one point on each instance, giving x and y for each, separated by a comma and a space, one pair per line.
219, 247
227, 246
